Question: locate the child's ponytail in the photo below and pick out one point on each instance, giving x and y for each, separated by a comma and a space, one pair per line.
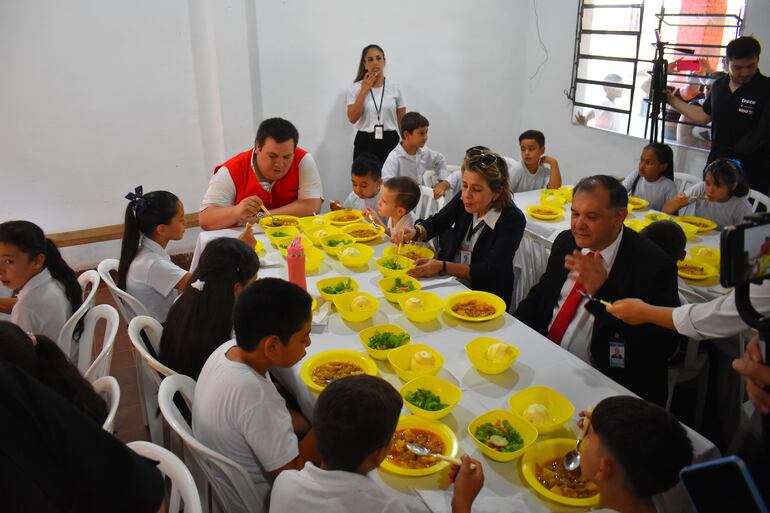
64, 274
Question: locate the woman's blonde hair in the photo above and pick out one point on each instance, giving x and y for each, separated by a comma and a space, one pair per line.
493, 168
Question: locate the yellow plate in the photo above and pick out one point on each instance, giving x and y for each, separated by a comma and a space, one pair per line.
426, 310
381, 354
374, 232
526, 430
331, 282
657, 216
400, 359
477, 354
404, 265
542, 452
701, 223
478, 295
316, 233
638, 203
690, 230
410, 250
388, 283
340, 217
328, 240
336, 355
344, 305
267, 222
447, 392
560, 409
361, 257
636, 224
694, 270
546, 213
705, 254
451, 445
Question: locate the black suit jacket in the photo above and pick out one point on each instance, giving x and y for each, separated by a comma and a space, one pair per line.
641, 270
492, 256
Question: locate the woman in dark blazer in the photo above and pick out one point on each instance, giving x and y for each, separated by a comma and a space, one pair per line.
480, 228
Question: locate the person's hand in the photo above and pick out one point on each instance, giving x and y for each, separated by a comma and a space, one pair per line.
756, 374
248, 207
440, 188
706, 68
588, 270
401, 236
580, 119
372, 216
247, 236
335, 205
630, 311
681, 200
425, 268
545, 159
468, 483
369, 80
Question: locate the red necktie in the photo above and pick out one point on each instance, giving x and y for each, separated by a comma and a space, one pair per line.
567, 312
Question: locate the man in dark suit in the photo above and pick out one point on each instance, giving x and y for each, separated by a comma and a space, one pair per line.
603, 259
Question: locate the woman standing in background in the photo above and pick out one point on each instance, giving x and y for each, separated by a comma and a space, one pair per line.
375, 106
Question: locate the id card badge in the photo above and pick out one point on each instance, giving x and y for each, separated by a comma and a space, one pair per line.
379, 132
465, 256
617, 354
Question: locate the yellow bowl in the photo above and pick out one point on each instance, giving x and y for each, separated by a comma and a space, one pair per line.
694, 270
283, 243
281, 232
388, 283
336, 355
310, 222
448, 394
560, 409
705, 254
701, 223
477, 353
259, 247
401, 359
364, 253
313, 259
342, 240
476, 295
636, 224
411, 251
343, 302
544, 212
451, 445
638, 203
657, 216
566, 191
525, 429
542, 452
316, 233
267, 221
343, 217
372, 232
552, 198
331, 282
403, 263
689, 229
431, 306
381, 354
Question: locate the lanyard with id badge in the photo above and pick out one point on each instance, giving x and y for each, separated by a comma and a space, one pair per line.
466, 249
379, 129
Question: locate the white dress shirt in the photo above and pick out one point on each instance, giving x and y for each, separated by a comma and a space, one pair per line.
42, 307
400, 163
577, 338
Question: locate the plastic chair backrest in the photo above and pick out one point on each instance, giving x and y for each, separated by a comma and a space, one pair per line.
109, 389
426, 207
128, 306
214, 465
182, 484
67, 333
685, 180
759, 199
94, 368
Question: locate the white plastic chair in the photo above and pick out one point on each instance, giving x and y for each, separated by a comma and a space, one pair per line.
427, 206
67, 333
758, 199
182, 484
94, 368
128, 306
214, 465
685, 180
149, 370
531, 260
109, 389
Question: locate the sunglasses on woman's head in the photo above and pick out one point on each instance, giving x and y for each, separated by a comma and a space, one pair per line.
482, 159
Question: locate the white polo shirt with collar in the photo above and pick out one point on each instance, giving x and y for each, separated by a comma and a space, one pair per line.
152, 277
42, 307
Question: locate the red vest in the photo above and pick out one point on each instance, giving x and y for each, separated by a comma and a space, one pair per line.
284, 191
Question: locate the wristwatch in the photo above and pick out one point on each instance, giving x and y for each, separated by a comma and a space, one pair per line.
443, 268
260, 215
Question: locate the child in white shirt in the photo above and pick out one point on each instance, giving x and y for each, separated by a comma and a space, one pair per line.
412, 158
146, 270
721, 197
366, 180
398, 197
654, 179
535, 170
354, 421
237, 411
47, 289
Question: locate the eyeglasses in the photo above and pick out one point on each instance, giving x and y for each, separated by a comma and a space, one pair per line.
482, 158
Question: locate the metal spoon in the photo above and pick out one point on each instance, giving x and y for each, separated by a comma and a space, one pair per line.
419, 450
273, 219
591, 298
572, 458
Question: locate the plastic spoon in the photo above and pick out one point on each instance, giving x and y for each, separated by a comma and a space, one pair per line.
419, 450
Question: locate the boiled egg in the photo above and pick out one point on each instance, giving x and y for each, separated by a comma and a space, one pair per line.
498, 352
414, 304
360, 303
537, 414
350, 252
422, 361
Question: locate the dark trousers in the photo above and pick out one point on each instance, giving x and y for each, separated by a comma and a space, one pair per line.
365, 142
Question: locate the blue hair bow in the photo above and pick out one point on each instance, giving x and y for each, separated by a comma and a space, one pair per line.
137, 200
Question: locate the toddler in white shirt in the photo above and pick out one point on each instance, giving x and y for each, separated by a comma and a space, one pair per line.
366, 180
398, 197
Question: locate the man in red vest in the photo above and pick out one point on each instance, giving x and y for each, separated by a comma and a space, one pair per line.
276, 173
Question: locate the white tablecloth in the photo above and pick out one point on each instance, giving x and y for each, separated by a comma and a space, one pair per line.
541, 362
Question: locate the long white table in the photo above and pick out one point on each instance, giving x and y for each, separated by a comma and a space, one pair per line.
541, 362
